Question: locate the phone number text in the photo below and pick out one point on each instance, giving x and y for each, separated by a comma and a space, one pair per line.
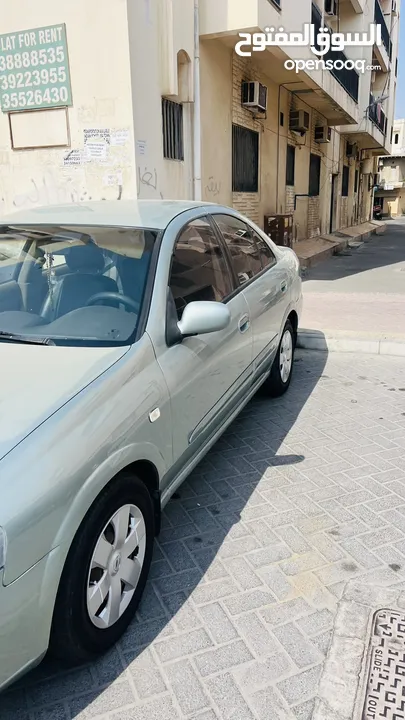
34, 58
33, 98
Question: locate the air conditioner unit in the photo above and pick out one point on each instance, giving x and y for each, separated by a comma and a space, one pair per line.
331, 7
323, 134
299, 121
254, 96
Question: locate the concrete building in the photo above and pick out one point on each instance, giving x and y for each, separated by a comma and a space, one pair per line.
390, 180
331, 184
123, 57
128, 111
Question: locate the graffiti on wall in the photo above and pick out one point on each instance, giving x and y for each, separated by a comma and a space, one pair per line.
148, 179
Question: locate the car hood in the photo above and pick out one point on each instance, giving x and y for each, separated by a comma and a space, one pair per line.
36, 380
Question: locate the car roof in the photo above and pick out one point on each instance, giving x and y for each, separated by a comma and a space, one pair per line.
124, 213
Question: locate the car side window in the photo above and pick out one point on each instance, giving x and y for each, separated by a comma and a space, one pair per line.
199, 268
241, 245
267, 256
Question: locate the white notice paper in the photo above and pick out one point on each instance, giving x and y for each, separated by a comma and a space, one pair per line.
112, 179
141, 147
73, 157
96, 151
119, 137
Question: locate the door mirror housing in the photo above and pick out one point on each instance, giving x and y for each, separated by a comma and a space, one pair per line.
202, 317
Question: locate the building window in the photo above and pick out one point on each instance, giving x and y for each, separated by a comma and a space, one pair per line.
282, 119
345, 181
396, 138
314, 175
290, 172
245, 160
356, 181
172, 117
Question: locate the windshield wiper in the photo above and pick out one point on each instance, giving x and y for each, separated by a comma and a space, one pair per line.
31, 340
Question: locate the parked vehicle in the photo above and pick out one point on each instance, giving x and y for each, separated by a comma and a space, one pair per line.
131, 335
377, 211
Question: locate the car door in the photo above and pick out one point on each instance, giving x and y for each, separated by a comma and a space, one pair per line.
207, 375
264, 284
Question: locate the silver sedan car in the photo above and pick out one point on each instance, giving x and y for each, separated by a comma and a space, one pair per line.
131, 335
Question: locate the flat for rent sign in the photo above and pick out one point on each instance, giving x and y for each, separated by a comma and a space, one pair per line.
34, 69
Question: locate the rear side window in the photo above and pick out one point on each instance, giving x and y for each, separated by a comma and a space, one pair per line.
199, 268
241, 245
267, 256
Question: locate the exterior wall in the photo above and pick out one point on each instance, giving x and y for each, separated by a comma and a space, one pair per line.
39, 177
216, 121
398, 129
158, 31
111, 90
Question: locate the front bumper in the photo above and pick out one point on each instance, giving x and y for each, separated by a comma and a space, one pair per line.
26, 608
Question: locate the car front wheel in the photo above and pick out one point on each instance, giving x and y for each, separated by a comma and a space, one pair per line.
279, 379
105, 572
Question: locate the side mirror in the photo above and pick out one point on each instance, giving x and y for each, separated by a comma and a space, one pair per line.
204, 317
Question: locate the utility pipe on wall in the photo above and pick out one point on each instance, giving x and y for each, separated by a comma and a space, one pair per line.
197, 107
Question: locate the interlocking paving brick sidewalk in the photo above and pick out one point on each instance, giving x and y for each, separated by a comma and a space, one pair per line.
300, 496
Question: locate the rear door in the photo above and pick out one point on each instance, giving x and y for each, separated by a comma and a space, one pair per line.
264, 283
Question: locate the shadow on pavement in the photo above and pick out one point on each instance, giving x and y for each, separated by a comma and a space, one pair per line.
203, 528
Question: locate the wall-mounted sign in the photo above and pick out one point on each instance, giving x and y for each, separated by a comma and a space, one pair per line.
34, 69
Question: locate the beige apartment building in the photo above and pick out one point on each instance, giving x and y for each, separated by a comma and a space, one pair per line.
390, 180
143, 98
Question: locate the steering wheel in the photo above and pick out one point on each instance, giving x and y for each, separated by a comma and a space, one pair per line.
117, 297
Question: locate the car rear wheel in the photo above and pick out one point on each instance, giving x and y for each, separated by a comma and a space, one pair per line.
105, 572
279, 379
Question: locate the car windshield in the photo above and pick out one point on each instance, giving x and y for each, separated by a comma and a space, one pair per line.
73, 285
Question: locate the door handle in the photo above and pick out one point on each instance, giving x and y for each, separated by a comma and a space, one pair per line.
283, 287
244, 323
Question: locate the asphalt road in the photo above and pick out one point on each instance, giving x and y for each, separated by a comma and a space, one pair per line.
362, 292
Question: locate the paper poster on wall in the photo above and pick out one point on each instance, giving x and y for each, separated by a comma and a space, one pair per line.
73, 158
141, 147
119, 137
112, 179
96, 151
97, 135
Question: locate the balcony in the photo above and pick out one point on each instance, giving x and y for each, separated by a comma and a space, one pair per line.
377, 117
349, 79
383, 53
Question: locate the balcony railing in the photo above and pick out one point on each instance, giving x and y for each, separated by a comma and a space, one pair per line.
377, 117
385, 34
349, 79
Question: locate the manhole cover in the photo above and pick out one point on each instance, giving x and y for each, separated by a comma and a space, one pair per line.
385, 694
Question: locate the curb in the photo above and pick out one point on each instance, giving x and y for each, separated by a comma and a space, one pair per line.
341, 242
308, 340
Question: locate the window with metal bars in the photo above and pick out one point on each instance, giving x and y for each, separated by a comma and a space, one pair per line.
345, 180
314, 175
172, 117
245, 160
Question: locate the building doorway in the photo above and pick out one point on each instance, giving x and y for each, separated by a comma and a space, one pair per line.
333, 203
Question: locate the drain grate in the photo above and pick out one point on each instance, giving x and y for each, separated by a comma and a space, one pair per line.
385, 694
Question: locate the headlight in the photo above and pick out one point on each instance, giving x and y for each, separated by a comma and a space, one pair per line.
3, 547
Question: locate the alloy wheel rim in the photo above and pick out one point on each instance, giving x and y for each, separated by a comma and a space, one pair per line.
116, 566
286, 353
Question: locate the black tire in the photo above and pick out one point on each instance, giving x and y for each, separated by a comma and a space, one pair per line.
74, 638
275, 386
